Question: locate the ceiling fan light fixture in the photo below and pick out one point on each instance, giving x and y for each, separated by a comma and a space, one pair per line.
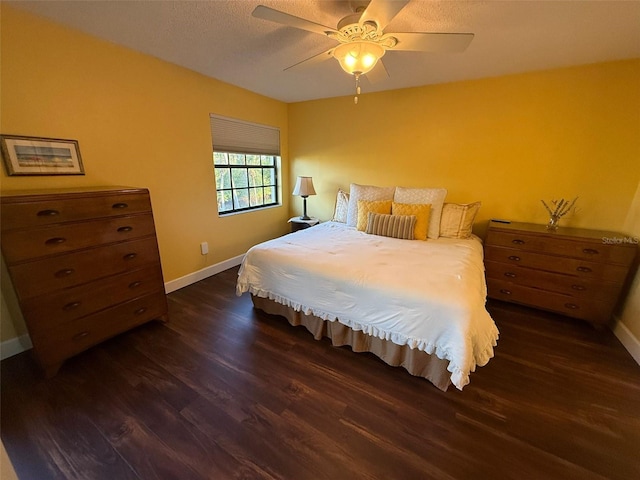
358, 57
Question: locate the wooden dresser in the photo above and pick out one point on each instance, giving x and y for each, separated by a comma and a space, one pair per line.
85, 266
576, 272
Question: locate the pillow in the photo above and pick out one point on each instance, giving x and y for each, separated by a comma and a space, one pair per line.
457, 220
365, 192
422, 213
394, 226
433, 196
364, 207
340, 211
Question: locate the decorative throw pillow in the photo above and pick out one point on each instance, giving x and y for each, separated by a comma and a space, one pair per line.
364, 207
457, 219
433, 196
365, 192
422, 213
394, 226
342, 203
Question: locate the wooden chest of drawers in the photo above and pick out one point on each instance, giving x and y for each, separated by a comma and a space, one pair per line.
85, 266
576, 272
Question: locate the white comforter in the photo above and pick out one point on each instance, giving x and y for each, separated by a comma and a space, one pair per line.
428, 295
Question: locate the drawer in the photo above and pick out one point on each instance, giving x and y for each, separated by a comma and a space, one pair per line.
20, 245
48, 311
18, 212
584, 249
574, 286
71, 338
570, 266
585, 309
38, 277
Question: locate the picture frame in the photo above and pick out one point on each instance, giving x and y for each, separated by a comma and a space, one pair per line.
40, 156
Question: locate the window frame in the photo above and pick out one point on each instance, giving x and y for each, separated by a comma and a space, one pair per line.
275, 166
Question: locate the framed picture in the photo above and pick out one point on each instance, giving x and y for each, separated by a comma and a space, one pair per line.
41, 156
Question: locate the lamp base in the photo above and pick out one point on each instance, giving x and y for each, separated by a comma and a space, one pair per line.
304, 215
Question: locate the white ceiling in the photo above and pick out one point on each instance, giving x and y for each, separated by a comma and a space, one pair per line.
222, 40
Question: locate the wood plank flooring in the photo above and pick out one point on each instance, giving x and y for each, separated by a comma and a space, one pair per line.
226, 392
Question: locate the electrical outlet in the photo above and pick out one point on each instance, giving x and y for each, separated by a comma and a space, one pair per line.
204, 248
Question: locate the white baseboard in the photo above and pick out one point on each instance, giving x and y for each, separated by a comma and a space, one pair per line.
14, 346
206, 272
628, 340
17, 345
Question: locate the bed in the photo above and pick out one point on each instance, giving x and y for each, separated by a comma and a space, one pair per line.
415, 304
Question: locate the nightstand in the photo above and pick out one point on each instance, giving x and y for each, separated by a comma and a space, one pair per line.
576, 272
297, 223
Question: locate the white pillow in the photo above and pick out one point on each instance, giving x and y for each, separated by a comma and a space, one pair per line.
340, 210
365, 192
433, 196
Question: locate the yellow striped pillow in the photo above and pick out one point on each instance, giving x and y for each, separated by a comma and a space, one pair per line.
422, 211
376, 206
394, 226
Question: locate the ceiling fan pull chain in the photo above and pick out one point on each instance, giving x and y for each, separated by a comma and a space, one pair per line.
355, 99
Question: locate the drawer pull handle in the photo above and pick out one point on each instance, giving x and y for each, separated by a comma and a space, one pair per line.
80, 336
515, 258
55, 241
135, 284
125, 229
119, 205
579, 288
510, 275
584, 269
140, 311
505, 291
572, 306
71, 306
48, 213
517, 241
64, 272
130, 256
590, 251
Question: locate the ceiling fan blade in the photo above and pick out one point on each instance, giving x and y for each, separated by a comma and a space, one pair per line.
382, 11
277, 16
378, 74
433, 42
309, 62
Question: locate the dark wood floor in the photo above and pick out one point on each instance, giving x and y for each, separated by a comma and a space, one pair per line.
225, 392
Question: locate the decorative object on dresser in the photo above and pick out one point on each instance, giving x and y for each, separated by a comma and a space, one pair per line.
85, 266
560, 209
576, 272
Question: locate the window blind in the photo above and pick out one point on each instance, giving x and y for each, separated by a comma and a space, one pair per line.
233, 135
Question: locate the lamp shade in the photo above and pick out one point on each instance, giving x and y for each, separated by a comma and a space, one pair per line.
304, 187
358, 57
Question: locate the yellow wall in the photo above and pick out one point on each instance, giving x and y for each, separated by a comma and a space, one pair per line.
140, 122
508, 142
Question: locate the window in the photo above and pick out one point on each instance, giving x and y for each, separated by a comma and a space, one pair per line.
246, 160
245, 181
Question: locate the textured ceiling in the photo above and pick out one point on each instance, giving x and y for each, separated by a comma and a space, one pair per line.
222, 40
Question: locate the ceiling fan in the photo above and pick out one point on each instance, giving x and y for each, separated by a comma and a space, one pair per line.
362, 40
